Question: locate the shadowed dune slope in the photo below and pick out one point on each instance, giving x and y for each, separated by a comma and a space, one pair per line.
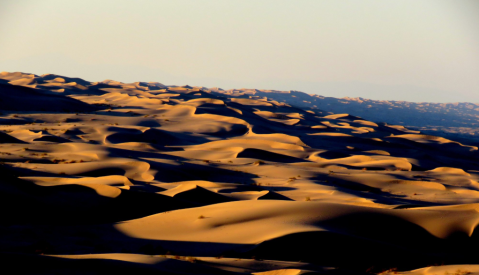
15, 98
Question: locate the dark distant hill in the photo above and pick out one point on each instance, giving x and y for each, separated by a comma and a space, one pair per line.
451, 118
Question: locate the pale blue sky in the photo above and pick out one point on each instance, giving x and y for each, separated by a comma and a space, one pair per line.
417, 50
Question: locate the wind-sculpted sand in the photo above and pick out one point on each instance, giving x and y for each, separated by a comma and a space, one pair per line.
458, 120
110, 177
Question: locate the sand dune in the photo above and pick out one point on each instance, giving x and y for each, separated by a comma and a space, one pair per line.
149, 178
456, 120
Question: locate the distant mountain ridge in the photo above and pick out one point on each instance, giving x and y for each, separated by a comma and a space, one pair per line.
451, 118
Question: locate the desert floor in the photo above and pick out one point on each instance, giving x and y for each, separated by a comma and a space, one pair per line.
109, 177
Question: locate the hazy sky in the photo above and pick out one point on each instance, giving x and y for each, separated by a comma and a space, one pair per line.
417, 50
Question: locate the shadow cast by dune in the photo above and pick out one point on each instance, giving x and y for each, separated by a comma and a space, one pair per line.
6, 138
369, 248
154, 136
368, 192
267, 156
190, 171
23, 98
76, 204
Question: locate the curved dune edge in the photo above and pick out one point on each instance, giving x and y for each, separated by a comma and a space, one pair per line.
262, 220
200, 265
446, 269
